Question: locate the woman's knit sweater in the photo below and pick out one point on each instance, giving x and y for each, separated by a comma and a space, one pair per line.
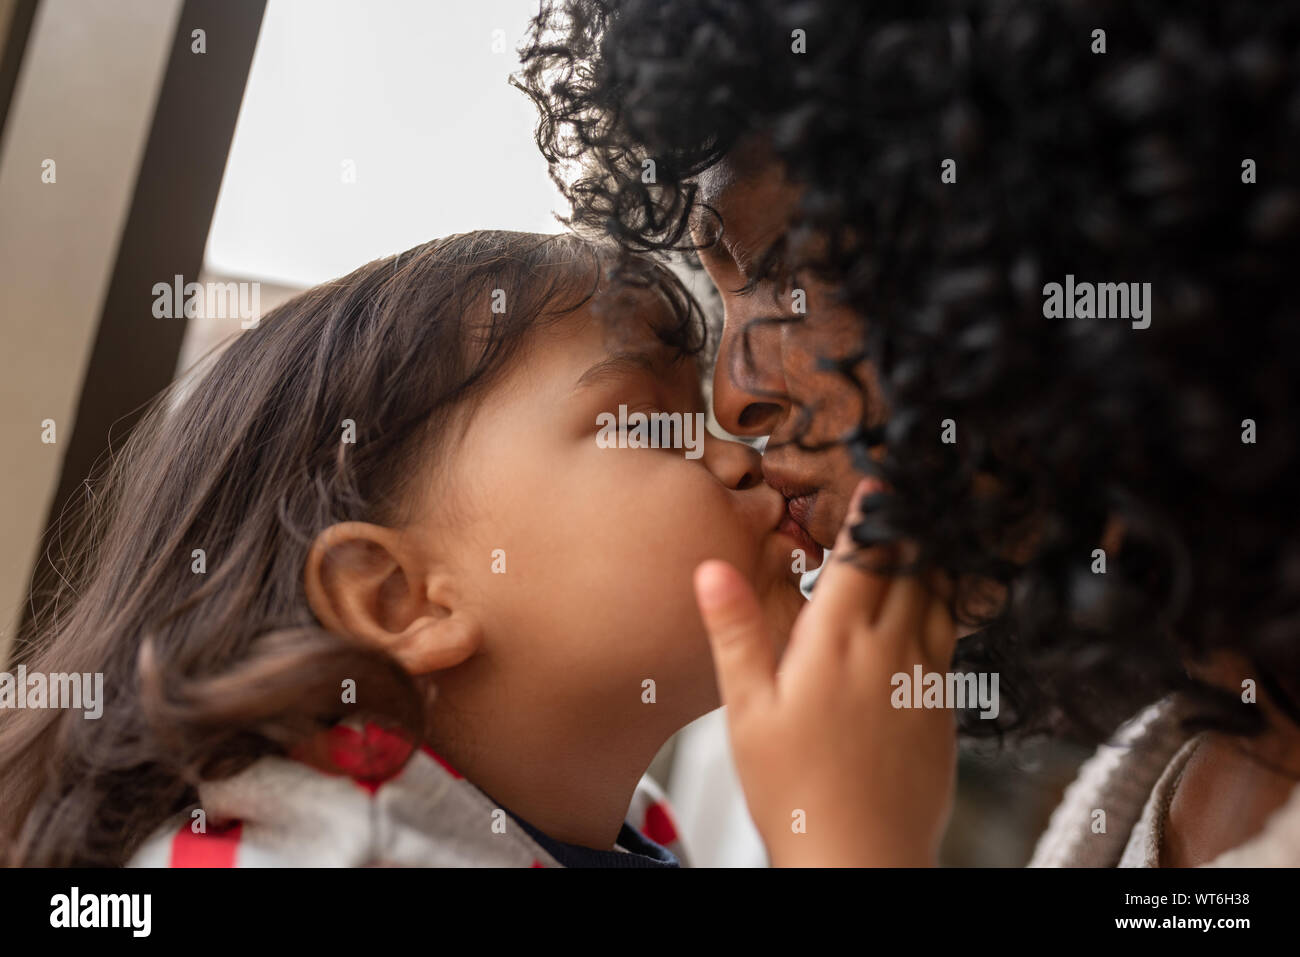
1113, 813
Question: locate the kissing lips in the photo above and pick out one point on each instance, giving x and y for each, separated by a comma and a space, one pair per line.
797, 511
801, 498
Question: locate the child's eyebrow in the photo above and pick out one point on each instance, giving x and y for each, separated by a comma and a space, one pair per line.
618, 364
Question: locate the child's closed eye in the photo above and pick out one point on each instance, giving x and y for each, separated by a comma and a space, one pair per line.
644, 408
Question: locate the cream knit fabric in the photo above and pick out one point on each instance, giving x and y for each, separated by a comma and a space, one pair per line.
1132, 781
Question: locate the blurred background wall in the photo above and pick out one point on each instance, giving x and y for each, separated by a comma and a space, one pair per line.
84, 98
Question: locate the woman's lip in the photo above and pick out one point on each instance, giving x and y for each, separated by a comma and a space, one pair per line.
800, 508
803, 508
791, 527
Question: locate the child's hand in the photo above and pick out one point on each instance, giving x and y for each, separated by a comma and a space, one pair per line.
817, 742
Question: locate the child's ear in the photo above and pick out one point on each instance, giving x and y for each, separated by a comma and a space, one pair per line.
364, 581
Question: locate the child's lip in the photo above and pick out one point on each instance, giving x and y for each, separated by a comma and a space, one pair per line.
797, 512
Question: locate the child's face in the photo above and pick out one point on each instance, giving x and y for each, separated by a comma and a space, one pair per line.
576, 560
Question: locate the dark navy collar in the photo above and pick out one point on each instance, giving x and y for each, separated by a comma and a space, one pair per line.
642, 852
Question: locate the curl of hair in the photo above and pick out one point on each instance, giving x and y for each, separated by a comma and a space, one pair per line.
1122, 166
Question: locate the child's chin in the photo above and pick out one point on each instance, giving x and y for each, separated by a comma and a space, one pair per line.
781, 626
781, 613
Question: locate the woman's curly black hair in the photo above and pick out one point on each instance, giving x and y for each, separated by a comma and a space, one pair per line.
1127, 165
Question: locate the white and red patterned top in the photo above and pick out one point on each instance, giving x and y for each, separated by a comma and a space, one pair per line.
387, 810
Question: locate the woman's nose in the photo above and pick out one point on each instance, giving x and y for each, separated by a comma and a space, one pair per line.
749, 394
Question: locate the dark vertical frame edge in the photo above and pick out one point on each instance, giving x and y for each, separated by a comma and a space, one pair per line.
134, 354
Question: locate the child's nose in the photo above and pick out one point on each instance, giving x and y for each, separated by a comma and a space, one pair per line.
739, 468
734, 464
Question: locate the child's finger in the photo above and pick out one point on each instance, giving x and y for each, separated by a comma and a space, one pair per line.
846, 593
742, 651
940, 634
902, 614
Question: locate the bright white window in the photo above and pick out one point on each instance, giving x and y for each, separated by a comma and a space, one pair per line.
413, 94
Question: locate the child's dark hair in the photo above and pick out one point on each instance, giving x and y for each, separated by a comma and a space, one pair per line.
1120, 157
204, 673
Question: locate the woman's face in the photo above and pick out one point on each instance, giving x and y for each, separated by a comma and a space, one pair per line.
577, 558
771, 385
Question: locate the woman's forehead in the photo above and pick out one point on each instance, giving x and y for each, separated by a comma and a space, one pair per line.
752, 199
